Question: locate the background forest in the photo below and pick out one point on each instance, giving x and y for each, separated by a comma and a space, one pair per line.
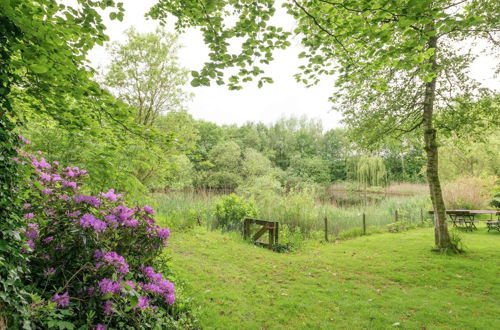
153, 144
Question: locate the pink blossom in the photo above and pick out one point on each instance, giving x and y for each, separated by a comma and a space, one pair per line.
71, 184
48, 239
24, 140
143, 303
110, 195
108, 307
108, 286
88, 220
61, 300
49, 271
148, 209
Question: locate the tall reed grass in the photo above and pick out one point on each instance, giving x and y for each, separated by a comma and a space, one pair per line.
297, 209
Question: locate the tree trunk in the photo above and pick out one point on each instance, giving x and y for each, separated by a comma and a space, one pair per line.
442, 237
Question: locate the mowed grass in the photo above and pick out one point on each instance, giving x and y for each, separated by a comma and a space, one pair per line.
372, 282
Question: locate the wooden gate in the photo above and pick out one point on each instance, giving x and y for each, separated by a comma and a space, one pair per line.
270, 226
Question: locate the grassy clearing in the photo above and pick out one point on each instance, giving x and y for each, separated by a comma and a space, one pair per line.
379, 281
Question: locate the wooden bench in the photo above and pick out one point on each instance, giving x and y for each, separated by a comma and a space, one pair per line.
494, 224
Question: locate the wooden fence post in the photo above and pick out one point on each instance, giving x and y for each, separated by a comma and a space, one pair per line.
272, 234
246, 229
421, 215
364, 224
276, 231
326, 229
396, 215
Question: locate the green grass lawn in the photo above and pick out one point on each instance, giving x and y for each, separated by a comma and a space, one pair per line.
380, 281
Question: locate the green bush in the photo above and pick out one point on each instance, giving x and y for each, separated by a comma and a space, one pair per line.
495, 201
231, 209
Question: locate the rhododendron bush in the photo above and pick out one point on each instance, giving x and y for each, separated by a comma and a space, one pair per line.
91, 258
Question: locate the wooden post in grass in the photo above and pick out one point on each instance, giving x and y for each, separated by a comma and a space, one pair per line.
276, 230
326, 229
421, 215
396, 215
364, 224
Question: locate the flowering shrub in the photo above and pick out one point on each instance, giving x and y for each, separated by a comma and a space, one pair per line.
90, 256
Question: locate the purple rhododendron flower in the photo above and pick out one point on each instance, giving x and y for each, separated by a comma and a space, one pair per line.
106, 286
32, 233
131, 223
29, 215
148, 209
31, 244
108, 307
113, 259
91, 200
130, 284
163, 233
43, 163
74, 214
123, 213
47, 191
170, 298
44, 176
24, 140
48, 239
71, 184
99, 326
65, 198
143, 303
56, 178
26, 206
61, 300
98, 254
110, 195
158, 285
49, 271
88, 220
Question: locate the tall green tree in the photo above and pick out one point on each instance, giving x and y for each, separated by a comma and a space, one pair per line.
395, 60
145, 73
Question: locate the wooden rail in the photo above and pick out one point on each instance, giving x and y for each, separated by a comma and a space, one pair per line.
267, 226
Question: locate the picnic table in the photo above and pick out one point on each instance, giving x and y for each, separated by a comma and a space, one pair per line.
466, 218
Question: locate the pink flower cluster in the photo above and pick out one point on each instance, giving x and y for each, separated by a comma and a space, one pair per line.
88, 220
64, 227
112, 259
158, 285
107, 285
61, 300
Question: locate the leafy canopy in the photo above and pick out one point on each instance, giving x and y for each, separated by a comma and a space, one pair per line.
379, 50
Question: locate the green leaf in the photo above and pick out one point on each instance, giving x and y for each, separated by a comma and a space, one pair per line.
134, 301
39, 68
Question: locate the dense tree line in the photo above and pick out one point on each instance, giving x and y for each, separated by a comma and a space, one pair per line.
152, 143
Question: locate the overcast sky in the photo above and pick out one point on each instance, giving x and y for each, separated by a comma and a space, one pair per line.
284, 97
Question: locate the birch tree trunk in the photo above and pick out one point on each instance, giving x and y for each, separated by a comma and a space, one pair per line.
442, 237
